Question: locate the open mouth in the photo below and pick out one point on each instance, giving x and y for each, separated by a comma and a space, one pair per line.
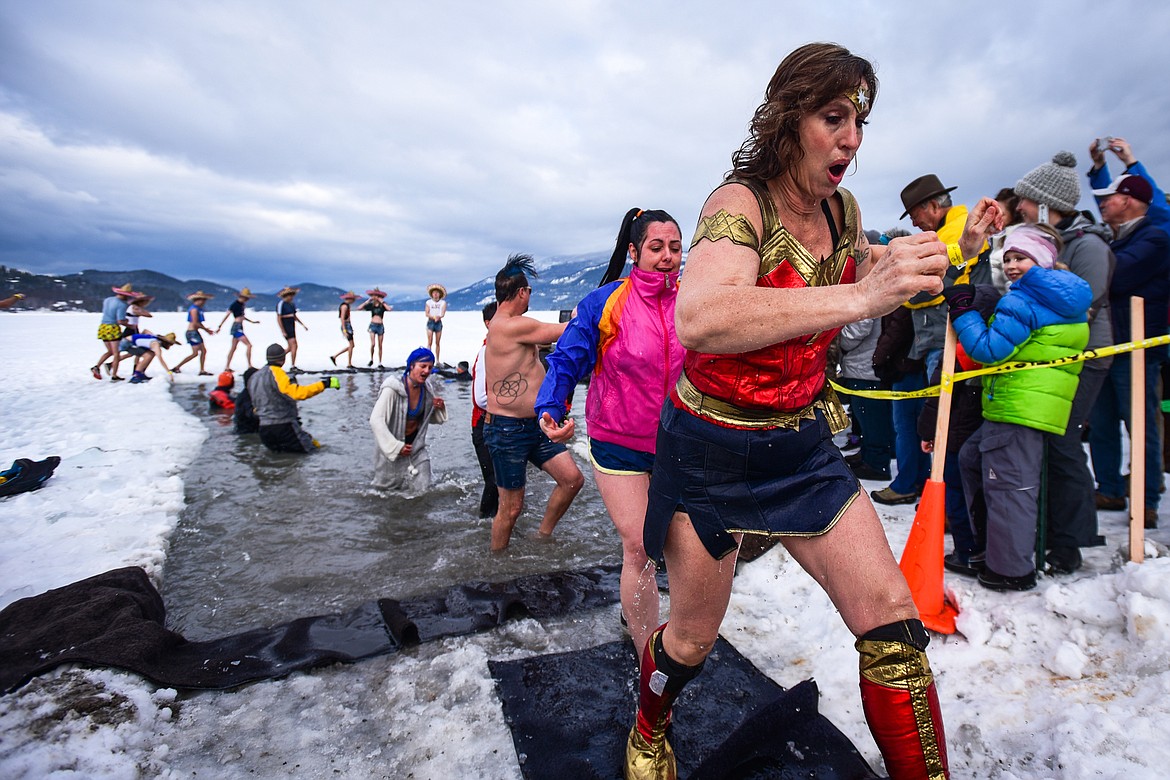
838, 170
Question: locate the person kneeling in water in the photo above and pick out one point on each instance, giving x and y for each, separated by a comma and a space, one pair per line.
275, 396
406, 406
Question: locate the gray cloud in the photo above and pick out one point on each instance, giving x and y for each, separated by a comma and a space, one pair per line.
363, 143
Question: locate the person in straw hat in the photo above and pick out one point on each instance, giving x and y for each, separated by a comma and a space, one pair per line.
343, 314
146, 347
236, 312
110, 330
195, 331
436, 308
286, 317
135, 311
375, 304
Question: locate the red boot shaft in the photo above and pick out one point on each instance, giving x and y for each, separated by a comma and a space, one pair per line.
901, 707
648, 754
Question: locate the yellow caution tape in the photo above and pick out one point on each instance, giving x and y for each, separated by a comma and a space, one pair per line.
1004, 368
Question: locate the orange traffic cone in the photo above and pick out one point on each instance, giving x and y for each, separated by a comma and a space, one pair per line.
922, 559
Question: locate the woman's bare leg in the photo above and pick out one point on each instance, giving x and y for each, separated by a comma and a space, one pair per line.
854, 564
700, 588
625, 498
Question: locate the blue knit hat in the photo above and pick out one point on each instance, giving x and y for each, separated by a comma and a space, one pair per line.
422, 353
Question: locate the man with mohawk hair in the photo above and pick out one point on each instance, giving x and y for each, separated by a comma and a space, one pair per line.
511, 430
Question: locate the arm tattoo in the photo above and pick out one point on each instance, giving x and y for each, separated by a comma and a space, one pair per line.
723, 225
863, 256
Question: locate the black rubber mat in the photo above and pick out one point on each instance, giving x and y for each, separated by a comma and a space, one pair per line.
570, 715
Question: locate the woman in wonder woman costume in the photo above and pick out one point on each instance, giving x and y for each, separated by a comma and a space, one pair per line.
745, 437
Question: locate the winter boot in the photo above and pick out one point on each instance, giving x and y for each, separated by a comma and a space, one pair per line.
648, 754
900, 701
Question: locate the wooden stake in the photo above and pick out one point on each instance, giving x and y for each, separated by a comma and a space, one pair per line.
945, 392
1137, 433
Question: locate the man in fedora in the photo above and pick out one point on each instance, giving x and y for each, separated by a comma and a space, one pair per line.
286, 317
928, 204
236, 312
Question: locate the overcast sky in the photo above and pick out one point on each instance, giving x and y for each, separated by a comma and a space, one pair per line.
392, 143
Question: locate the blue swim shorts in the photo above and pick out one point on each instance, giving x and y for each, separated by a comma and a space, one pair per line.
772, 482
194, 338
609, 458
513, 443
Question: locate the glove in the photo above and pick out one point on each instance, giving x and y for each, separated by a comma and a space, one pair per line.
961, 299
331, 383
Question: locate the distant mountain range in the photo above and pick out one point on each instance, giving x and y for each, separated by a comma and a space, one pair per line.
561, 283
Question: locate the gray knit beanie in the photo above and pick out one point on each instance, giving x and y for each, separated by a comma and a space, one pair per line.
1053, 184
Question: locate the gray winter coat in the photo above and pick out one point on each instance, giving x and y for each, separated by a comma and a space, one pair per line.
857, 341
388, 422
1087, 254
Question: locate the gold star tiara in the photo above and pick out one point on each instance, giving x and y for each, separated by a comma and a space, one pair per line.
859, 97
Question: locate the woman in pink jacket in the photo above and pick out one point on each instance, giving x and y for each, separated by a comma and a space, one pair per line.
622, 337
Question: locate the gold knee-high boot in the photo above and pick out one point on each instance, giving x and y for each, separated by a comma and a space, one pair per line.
900, 701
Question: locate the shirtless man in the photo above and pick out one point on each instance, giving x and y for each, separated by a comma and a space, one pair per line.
514, 372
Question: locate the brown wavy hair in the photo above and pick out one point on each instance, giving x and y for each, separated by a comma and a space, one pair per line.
807, 79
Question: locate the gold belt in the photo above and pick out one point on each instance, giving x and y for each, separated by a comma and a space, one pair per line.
720, 411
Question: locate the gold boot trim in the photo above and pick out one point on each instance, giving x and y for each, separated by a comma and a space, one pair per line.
904, 667
645, 761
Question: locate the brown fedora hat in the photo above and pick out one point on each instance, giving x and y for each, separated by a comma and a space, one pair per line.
922, 188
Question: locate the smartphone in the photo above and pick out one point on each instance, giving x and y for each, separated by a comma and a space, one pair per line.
1103, 144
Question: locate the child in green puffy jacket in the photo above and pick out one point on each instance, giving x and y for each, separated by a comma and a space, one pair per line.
1043, 316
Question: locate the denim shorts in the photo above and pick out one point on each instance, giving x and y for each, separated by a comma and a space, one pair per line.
435, 326
377, 328
194, 338
237, 330
515, 442
610, 458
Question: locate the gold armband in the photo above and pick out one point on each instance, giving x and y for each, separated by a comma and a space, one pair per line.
723, 225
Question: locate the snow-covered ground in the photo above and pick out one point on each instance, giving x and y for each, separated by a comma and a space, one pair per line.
1071, 680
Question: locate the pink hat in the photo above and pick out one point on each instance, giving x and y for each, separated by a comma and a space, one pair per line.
1032, 241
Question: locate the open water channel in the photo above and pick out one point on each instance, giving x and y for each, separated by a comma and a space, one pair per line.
269, 537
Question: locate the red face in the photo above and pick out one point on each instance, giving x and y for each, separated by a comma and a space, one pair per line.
420, 371
661, 248
1113, 208
830, 138
927, 215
